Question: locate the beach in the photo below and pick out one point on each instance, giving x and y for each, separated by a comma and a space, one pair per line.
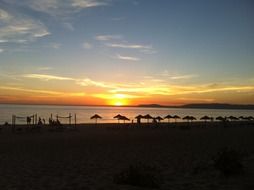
91, 156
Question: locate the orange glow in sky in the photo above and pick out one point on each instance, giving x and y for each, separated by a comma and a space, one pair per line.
109, 52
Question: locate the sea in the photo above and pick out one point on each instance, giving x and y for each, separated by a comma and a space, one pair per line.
84, 113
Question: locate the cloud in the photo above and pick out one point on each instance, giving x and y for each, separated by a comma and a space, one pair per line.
127, 58
108, 37
54, 45
87, 3
129, 46
69, 26
46, 77
37, 91
58, 7
45, 68
18, 28
89, 82
183, 77
30, 90
87, 45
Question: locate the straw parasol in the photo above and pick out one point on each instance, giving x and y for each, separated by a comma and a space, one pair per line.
168, 117
159, 118
220, 118
233, 118
176, 117
118, 116
124, 118
186, 118
147, 116
192, 118
96, 117
205, 118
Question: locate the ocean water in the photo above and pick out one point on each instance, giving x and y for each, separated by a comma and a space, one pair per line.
83, 113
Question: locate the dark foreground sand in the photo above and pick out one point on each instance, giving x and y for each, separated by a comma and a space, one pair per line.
90, 157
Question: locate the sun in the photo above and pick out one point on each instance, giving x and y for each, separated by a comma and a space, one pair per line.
118, 103
119, 100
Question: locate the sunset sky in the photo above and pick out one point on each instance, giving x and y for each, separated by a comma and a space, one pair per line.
126, 52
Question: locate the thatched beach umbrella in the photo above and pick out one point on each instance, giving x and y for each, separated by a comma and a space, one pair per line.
96, 117
159, 118
186, 118
233, 118
147, 116
205, 118
176, 117
250, 118
192, 118
139, 117
220, 118
124, 118
168, 117
118, 116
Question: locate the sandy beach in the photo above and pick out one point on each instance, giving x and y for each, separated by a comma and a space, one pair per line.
93, 155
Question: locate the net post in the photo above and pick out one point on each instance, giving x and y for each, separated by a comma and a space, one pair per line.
69, 119
13, 123
36, 118
75, 120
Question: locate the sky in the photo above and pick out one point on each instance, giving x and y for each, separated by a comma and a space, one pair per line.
126, 52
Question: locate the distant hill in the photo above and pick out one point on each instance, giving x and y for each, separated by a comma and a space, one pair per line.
203, 106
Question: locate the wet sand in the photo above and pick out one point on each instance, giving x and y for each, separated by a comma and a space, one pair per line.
90, 157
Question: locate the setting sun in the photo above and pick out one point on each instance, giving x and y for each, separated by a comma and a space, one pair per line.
118, 100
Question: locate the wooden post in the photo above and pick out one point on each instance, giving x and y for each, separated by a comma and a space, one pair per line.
13, 123
75, 120
33, 120
70, 119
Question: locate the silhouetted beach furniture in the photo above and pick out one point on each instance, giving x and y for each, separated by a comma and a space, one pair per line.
220, 118
168, 117
223, 120
187, 118
118, 116
233, 118
205, 118
147, 116
96, 117
28, 120
139, 117
124, 118
176, 117
158, 118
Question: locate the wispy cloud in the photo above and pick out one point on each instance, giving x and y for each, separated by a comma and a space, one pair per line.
45, 68
183, 77
128, 46
17, 28
37, 91
127, 58
68, 26
108, 37
87, 3
59, 7
30, 90
87, 45
46, 77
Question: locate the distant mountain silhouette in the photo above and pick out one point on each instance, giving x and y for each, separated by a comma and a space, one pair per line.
203, 106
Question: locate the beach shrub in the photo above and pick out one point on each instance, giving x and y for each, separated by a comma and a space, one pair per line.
229, 162
139, 175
